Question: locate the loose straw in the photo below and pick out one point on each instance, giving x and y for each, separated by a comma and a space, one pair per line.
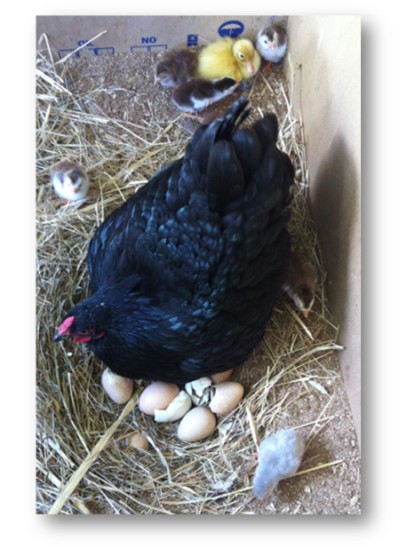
77, 476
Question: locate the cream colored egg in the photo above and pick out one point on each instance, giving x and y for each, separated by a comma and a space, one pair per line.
138, 441
179, 406
158, 395
196, 425
227, 396
118, 388
221, 377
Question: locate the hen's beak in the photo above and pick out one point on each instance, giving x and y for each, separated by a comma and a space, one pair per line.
64, 329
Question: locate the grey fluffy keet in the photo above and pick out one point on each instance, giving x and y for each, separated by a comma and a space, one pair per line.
280, 456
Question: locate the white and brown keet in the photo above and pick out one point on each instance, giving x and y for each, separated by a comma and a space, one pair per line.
198, 93
70, 181
272, 43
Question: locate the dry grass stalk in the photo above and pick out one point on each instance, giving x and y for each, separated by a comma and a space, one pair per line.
83, 464
77, 476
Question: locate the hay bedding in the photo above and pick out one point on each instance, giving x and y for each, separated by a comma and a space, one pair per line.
107, 114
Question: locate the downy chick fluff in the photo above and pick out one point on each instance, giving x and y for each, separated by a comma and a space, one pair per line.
272, 43
198, 93
69, 180
175, 67
237, 59
301, 283
279, 457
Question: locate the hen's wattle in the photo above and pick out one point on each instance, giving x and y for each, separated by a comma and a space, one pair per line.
185, 274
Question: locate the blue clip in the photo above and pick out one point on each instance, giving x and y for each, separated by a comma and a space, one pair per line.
192, 39
231, 28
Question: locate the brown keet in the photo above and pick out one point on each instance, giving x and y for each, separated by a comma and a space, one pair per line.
198, 93
175, 67
301, 283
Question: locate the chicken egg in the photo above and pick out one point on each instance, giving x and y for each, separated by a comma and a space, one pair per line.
179, 406
158, 395
118, 388
138, 441
221, 377
226, 397
196, 425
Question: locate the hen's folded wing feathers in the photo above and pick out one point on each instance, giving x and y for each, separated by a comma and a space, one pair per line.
111, 253
183, 229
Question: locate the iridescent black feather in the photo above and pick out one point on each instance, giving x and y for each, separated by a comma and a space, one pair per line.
186, 273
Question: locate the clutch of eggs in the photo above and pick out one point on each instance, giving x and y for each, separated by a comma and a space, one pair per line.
211, 398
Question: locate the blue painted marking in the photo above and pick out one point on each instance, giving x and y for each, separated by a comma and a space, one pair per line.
147, 39
88, 48
192, 39
100, 51
83, 42
231, 28
150, 47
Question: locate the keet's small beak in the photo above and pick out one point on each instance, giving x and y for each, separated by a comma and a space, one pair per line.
305, 313
58, 337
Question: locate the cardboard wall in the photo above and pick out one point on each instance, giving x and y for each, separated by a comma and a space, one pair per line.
325, 54
150, 33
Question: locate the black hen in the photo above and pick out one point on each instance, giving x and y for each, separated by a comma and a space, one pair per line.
185, 274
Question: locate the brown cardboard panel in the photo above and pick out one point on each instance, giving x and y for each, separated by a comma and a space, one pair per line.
327, 93
149, 33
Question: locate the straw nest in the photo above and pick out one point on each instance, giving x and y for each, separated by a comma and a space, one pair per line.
122, 132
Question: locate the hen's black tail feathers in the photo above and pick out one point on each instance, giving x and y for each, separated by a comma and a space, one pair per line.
236, 114
228, 157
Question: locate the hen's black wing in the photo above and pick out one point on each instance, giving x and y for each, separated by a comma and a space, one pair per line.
178, 214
